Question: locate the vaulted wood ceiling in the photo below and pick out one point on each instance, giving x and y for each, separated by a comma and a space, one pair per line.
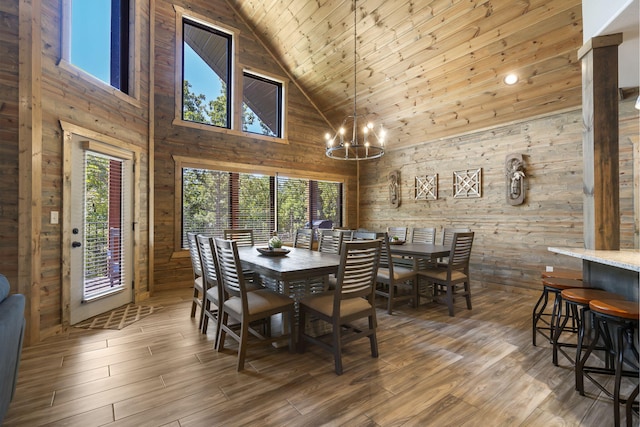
426, 69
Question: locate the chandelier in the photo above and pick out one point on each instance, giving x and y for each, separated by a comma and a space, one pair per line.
357, 138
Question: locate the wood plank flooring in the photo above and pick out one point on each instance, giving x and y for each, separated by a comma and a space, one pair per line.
476, 369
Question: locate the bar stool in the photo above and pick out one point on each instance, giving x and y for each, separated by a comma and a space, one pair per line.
623, 318
553, 286
576, 301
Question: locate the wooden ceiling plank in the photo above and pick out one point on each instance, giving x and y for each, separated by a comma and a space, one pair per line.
550, 42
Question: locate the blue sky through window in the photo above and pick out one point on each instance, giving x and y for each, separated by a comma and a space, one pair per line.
201, 77
91, 37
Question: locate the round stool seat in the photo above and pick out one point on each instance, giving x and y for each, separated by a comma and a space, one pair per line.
562, 274
584, 295
560, 283
616, 308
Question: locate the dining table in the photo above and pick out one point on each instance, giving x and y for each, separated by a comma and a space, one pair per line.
296, 273
286, 268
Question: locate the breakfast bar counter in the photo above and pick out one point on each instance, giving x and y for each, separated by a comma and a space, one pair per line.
614, 271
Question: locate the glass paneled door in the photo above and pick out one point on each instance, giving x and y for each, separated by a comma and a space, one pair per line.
101, 241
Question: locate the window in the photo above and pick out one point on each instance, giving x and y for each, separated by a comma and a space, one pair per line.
213, 200
99, 40
261, 105
206, 75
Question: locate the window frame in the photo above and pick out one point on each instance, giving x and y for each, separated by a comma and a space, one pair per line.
181, 162
282, 97
133, 42
237, 72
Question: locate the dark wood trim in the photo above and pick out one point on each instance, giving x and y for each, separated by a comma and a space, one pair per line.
600, 142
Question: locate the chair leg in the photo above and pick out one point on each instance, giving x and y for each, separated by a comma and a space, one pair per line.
373, 338
535, 316
337, 348
629, 405
223, 333
467, 294
193, 303
216, 341
391, 297
450, 300
204, 322
242, 345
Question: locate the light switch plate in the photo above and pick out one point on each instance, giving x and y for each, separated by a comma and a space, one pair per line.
54, 217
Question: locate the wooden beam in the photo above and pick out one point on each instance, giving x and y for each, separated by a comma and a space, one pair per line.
600, 142
30, 164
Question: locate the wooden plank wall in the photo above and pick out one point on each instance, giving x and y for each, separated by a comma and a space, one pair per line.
303, 152
69, 96
9, 142
510, 246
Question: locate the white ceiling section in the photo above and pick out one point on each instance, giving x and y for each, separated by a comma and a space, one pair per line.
611, 17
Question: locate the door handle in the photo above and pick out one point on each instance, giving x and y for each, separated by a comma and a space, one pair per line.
76, 244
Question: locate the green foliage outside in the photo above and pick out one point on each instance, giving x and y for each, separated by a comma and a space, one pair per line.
206, 194
196, 108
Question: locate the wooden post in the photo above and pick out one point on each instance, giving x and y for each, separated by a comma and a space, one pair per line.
600, 142
30, 164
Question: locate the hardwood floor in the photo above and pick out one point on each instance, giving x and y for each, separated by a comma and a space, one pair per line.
476, 369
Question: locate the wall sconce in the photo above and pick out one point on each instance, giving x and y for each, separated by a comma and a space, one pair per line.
515, 176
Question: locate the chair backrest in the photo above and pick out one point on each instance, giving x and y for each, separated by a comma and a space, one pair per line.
242, 236
347, 234
460, 251
358, 270
208, 260
330, 241
364, 235
385, 252
195, 255
400, 232
447, 234
303, 238
424, 235
230, 270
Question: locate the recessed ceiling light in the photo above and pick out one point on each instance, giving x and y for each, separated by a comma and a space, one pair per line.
511, 79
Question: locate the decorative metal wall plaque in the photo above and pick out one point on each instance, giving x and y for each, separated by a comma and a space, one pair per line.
394, 188
515, 176
467, 184
427, 187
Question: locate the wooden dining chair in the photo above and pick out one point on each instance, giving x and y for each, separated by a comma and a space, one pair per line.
242, 236
198, 285
364, 235
400, 232
351, 300
330, 241
303, 238
212, 292
447, 238
448, 278
424, 235
394, 282
246, 307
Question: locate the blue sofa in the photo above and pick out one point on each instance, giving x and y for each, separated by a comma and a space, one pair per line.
12, 325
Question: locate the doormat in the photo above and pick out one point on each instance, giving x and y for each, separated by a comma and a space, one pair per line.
118, 318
